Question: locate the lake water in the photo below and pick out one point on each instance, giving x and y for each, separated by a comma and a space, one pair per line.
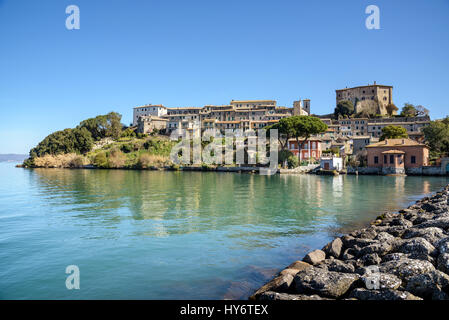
175, 235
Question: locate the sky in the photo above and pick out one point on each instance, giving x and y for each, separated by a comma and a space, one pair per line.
194, 53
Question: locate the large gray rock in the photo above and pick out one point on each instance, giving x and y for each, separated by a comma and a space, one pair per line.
315, 257
406, 268
324, 283
387, 294
381, 248
333, 248
442, 223
432, 234
370, 259
271, 295
417, 246
443, 262
295, 267
443, 245
431, 285
381, 281
350, 242
337, 266
280, 284
384, 237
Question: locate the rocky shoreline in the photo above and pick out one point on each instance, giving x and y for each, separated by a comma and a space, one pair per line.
402, 256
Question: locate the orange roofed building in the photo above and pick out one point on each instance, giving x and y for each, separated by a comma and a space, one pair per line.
395, 156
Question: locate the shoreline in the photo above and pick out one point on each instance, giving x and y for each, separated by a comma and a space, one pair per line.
399, 256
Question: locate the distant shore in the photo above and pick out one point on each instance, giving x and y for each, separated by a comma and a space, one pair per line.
402, 256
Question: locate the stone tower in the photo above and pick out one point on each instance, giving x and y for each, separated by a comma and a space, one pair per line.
301, 108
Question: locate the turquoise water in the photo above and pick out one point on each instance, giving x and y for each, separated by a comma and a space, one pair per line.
174, 235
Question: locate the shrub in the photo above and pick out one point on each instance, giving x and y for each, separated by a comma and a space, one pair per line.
127, 148
116, 159
100, 160
292, 161
147, 160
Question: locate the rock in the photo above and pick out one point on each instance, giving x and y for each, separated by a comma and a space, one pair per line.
280, 284
395, 256
386, 294
443, 245
351, 242
400, 221
370, 259
443, 262
381, 281
417, 246
366, 233
271, 295
406, 268
381, 248
329, 284
298, 265
442, 223
431, 285
338, 266
350, 253
315, 257
333, 248
384, 237
396, 231
432, 234
289, 271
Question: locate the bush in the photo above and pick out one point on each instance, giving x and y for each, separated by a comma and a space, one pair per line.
292, 161
147, 160
127, 148
100, 160
116, 159
128, 133
70, 160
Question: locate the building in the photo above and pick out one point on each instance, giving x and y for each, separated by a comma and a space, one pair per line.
370, 98
310, 150
331, 163
239, 114
148, 110
359, 143
147, 124
395, 156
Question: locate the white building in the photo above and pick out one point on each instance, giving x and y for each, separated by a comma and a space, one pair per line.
331, 163
148, 110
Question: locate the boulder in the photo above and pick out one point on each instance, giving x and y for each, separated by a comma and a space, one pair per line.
384, 237
381, 281
442, 223
324, 283
386, 294
333, 248
406, 268
443, 262
315, 257
394, 256
280, 284
432, 234
370, 259
351, 242
431, 285
337, 265
380, 248
271, 295
443, 245
417, 246
295, 267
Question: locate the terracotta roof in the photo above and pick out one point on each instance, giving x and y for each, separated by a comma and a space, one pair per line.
393, 152
389, 143
151, 105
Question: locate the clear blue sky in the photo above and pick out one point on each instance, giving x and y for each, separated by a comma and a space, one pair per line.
192, 53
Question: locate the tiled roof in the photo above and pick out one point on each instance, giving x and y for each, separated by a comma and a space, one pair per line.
389, 143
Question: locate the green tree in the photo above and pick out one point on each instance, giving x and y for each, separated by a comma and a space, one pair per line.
393, 132
437, 137
344, 108
304, 127
285, 131
391, 109
103, 126
409, 110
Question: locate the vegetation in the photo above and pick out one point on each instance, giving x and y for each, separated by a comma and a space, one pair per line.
391, 109
437, 137
344, 108
393, 132
304, 127
103, 126
409, 110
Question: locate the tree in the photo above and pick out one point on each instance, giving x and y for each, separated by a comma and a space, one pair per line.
393, 132
344, 108
285, 131
409, 110
421, 111
391, 109
437, 136
304, 127
103, 126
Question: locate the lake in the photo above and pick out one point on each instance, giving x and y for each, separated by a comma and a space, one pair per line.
175, 235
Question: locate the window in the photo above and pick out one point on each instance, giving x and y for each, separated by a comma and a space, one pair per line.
376, 159
413, 159
391, 159
385, 159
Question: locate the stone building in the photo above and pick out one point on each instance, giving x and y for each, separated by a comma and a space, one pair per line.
371, 98
148, 110
395, 156
147, 124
